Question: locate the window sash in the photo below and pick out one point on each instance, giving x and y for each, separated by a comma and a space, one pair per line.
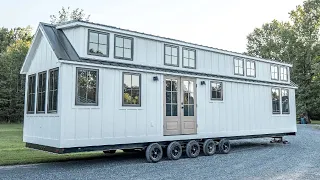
285, 101
238, 66
41, 92
283, 74
123, 47
53, 90
275, 94
251, 68
98, 43
90, 86
131, 90
31, 93
274, 72
188, 61
170, 55
216, 92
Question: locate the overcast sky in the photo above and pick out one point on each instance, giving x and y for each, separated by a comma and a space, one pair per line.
222, 24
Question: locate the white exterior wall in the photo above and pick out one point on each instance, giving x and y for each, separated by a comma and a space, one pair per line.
151, 53
42, 128
245, 110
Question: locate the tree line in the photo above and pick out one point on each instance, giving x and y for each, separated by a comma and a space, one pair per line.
295, 41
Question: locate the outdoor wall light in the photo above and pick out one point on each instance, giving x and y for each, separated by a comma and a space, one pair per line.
203, 83
155, 78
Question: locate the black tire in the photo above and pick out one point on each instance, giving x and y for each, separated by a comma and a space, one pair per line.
174, 150
209, 147
154, 153
193, 149
224, 146
109, 151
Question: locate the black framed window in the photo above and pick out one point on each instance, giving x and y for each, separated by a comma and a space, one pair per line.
123, 48
171, 55
274, 72
189, 58
285, 101
216, 89
131, 89
31, 93
251, 68
238, 66
41, 93
275, 100
283, 73
87, 87
53, 90
98, 43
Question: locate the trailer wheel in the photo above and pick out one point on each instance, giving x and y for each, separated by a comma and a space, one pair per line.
224, 146
174, 150
154, 153
193, 149
109, 151
209, 147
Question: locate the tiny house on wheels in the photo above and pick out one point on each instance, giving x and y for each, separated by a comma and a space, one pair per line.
95, 87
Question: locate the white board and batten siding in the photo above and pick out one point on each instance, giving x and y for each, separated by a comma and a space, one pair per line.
42, 128
150, 52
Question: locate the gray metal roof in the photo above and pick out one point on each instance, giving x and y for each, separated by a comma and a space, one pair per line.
59, 42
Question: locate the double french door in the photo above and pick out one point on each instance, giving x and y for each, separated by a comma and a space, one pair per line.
180, 109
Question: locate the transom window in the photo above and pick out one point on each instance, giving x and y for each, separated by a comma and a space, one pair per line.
171, 55
238, 66
283, 73
53, 90
131, 89
87, 86
189, 58
275, 100
216, 91
98, 43
251, 68
274, 72
41, 95
31, 93
123, 47
171, 97
285, 101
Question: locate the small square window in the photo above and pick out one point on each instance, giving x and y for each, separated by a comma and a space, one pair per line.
216, 90
171, 55
189, 58
87, 87
98, 43
123, 47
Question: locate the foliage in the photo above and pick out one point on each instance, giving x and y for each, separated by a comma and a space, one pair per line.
66, 14
296, 42
17, 43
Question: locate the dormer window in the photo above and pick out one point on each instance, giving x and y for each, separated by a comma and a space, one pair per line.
238, 66
189, 58
123, 48
274, 72
283, 73
98, 43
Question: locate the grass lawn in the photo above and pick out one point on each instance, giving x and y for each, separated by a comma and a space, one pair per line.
315, 121
13, 150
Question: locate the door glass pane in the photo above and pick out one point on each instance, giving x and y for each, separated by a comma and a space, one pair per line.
174, 110
168, 110
191, 98
174, 97
185, 98
168, 97
174, 85
190, 86
168, 85
185, 108
185, 86
191, 110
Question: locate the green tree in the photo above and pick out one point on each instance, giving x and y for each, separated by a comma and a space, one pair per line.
296, 42
66, 14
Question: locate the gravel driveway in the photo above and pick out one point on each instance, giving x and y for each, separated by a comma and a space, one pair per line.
249, 159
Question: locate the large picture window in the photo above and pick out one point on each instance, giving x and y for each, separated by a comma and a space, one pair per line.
98, 43
274, 72
131, 89
238, 66
189, 58
123, 48
251, 68
41, 94
53, 90
283, 73
87, 87
31, 93
216, 91
171, 55
285, 101
275, 100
